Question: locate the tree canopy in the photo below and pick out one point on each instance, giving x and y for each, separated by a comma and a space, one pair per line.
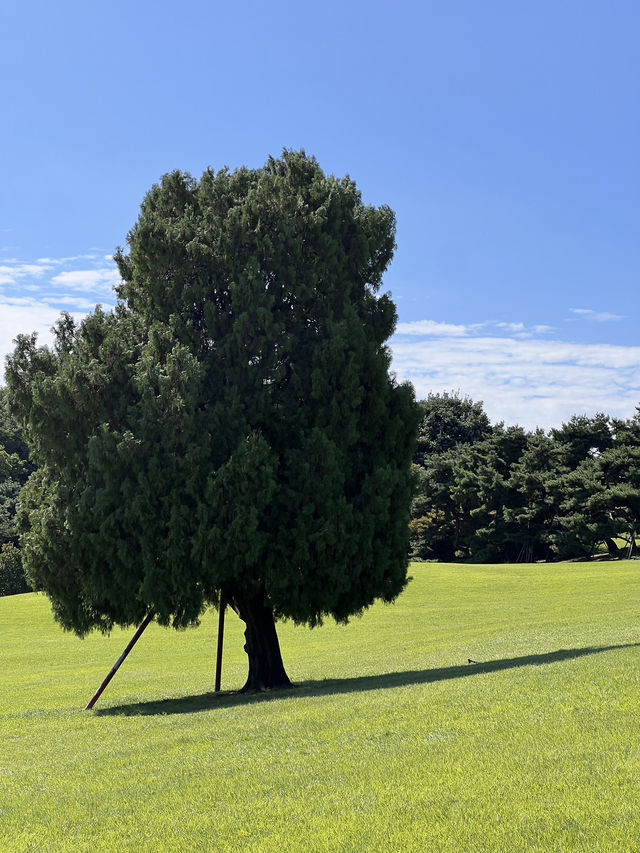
14, 470
503, 494
232, 425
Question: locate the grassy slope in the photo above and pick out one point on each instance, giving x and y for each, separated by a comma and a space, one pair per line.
393, 742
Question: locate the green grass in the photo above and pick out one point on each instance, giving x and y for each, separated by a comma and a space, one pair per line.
392, 741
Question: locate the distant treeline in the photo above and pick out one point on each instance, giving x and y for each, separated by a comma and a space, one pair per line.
503, 494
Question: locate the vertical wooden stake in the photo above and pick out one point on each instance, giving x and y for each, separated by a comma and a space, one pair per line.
223, 605
119, 662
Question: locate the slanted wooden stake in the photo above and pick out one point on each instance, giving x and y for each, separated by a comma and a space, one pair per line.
632, 544
223, 605
119, 662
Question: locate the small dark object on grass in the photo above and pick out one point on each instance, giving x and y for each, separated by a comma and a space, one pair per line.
471, 661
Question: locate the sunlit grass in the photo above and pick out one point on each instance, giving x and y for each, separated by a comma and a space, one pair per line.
392, 741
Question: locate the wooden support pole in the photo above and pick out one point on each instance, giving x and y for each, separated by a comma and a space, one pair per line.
223, 605
119, 662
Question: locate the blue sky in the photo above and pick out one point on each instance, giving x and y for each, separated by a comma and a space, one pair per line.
505, 135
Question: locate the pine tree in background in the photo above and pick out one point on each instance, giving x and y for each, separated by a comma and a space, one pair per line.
14, 472
232, 426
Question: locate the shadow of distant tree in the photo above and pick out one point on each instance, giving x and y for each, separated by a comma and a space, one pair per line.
213, 701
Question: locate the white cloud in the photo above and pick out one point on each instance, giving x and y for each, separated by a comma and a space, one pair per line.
530, 382
430, 327
595, 316
511, 327
32, 294
72, 302
11, 272
25, 318
95, 281
72, 259
97, 276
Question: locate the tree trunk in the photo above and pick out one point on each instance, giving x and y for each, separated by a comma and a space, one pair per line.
612, 548
266, 670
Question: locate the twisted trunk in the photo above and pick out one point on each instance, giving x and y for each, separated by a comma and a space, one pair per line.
266, 669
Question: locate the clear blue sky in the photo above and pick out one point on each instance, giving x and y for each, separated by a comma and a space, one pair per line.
505, 135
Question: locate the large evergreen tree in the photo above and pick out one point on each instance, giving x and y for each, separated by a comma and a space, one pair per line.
232, 426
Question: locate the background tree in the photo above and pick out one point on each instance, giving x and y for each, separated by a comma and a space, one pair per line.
535, 495
585, 519
494, 494
495, 537
14, 470
448, 421
232, 425
627, 432
445, 480
584, 437
12, 577
619, 470
436, 517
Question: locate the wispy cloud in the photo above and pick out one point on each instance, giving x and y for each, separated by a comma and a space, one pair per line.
57, 262
33, 293
595, 316
94, 271
92, 280
88, 273
433, 328
511, 327
430, 327
12, 271
23, 317
530, 381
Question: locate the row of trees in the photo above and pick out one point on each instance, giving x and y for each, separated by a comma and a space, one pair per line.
494, 493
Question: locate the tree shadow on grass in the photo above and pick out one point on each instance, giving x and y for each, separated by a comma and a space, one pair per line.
227, 699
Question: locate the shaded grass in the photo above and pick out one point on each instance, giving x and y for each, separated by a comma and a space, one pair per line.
391, 741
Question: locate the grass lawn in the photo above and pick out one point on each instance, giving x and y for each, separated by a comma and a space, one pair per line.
392, 741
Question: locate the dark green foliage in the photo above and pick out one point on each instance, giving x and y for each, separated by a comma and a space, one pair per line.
12, 576
233, 424
495, 537
14, 469
627, 432
602, 501
535, 488
445, 494
512, 496
584, 437
448, 421
585, 519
